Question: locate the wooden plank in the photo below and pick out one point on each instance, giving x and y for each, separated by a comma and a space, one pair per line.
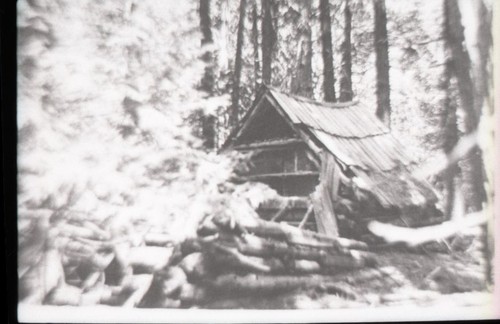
270, 144
292, 202
325, 195
246, 120
280, 213
279, 175
306, 216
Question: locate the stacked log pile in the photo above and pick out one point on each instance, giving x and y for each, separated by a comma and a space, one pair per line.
231, 259
87, 264
230, 263
80, 262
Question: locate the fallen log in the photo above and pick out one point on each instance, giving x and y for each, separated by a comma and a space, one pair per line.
418, 236
232, 257
248, 246
256, 246
270, 284
290, 234
158, 239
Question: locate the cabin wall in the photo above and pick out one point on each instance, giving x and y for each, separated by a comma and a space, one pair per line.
294, 217
289, 170
267, 125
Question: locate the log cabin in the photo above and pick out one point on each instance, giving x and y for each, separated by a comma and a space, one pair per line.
335, 165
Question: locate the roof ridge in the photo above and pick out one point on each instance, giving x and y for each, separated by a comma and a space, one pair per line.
325, 104
348, 137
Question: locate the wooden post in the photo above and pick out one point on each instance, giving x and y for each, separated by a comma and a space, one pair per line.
306, 216
325, 195
280, 213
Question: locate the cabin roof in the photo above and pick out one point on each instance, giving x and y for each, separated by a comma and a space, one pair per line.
355, 137
348, 130
349, 119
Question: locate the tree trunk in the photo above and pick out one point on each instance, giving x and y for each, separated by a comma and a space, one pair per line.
302, 80
483, 80
346, 73
235, 96
327, 51
255, 43
269, 38
471, 102
449, 123
382, 63
208, 79
473, 82
450, 141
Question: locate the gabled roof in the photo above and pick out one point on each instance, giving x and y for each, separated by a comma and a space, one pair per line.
350, 131
348, 119
355, 137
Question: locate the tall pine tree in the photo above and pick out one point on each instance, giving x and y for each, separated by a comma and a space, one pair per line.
382, 62
470, 100
269, 39
346, 64
327, 51
238, 65
302, 83
208, 78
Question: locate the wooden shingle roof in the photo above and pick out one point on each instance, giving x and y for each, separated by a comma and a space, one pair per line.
348, 130
356, 138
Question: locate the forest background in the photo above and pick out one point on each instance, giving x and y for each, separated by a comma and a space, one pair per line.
123, 104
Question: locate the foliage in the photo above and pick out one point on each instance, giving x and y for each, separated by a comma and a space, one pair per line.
105, 89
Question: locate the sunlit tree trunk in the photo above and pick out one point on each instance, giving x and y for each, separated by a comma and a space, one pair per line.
327, 51
346, 64
269, 38
450, 139
255, 43
484, 103
208, 78
235, 95
383, 111
472, 79
449, 119
302, 79
471, 102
